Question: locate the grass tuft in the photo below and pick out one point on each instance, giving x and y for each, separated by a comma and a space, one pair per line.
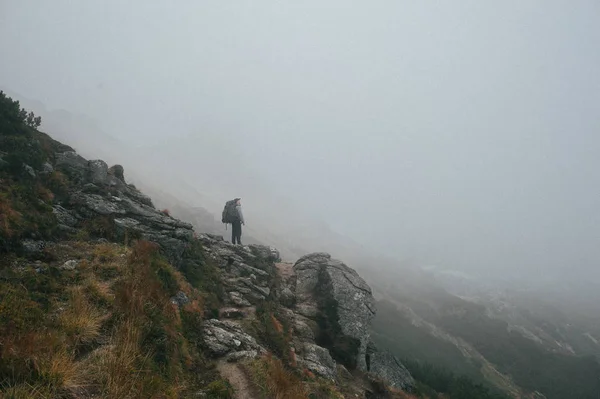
274, 380
81, 321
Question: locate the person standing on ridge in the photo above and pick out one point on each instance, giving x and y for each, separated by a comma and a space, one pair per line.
232, 213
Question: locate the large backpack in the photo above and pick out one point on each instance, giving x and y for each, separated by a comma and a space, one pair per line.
230, 214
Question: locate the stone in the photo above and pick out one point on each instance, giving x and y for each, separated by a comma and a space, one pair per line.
47, 168
318, 360
117, 171
238, 299
302, 328
100, 205
33, 246
72, 163
63, 216
29, 170
265, 253
223, 336
70, 265
323, 281
287, 297
232, 313
387, 367
98, 171
181, 299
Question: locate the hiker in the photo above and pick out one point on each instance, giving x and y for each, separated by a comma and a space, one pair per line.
232, 213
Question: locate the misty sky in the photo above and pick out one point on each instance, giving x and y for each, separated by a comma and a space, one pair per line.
460, 133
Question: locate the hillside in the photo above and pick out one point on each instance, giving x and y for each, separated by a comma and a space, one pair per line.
516, 345
105, 296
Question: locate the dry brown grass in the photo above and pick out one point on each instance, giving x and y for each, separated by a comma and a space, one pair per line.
120, 370
274, 380
98, 291
8, 216
117, 287
81, 321
24, 391
60, 371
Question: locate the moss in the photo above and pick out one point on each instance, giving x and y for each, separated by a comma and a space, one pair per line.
220, 389
200, 271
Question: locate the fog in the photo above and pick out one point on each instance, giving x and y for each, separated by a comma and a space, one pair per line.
457, 134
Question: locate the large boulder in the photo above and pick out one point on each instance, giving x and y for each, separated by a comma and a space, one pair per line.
341, 303
387, 367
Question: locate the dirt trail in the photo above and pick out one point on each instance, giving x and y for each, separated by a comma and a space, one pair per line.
238, 380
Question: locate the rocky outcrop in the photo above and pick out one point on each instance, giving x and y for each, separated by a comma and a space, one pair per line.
333, 310
340, 301
98, 191
387, 367
248, 271
327, 304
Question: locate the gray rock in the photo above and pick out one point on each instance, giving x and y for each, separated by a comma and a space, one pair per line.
318, 360
232, 313
118, 172
33, 246
181, 299
387, 367
91, 188
99, 204
238, 300
47, 168
222, 337
71, 160
29, 170
98, 171
70, 265
321, 280
268, 254
302, 329
242, 269
63, 216
287, 297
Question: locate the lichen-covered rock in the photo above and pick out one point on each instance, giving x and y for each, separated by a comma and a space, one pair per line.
98, 171
318, 360
47, 168
268, 254
222, 337
29, 170
341, 299
63, 216
181, 299
387, 367
118, 172
70, 265
238, 299
232, 313
33, 246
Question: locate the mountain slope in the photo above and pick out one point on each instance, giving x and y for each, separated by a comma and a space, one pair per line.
105, 296
444, 329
